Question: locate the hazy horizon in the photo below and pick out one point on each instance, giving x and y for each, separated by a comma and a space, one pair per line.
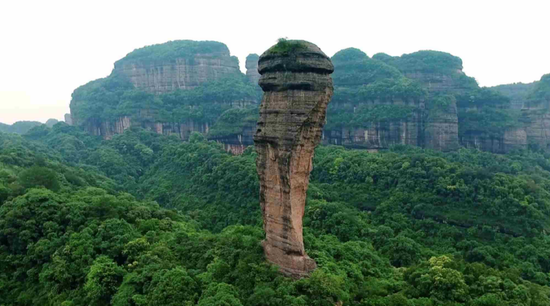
51, 48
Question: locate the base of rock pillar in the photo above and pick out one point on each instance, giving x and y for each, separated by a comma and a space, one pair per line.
292, 265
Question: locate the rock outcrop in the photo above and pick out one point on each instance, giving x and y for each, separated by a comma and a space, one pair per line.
174, 88
251, 65
441, 128
511, 139
68, 119
295, 78
386, 101
536, 114
161, 73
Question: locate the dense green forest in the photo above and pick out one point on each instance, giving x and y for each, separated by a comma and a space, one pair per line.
144, 219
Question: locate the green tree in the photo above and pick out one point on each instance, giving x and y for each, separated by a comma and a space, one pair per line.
173, 287
39, 177
220, 294
103, 280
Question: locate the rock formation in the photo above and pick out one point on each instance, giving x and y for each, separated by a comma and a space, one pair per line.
181, 87
68, 119
441, 128
174, 88
511, 139
386, 101
205, 61
252, 68
295, 78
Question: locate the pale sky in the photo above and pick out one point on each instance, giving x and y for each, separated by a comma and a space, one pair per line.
49, 48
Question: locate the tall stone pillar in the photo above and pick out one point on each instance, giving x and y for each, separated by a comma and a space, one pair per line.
295, 78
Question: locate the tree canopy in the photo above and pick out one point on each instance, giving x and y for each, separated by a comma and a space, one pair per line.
144, 219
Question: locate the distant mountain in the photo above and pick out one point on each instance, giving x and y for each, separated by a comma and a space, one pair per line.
19, 127
22, 127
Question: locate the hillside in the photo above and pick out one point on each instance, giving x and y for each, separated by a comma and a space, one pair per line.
145, 219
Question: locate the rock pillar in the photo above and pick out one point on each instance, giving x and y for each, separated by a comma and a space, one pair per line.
295, 78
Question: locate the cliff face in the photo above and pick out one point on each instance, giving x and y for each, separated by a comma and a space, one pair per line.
387, 101
377, 135
182, 70
536, 114
297, 89
438, 82
378, 104
441, 128
178, 74
538, 128
511, 139
252, 68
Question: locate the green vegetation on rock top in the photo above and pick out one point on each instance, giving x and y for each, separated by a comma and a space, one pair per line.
286, 47
349, 54
424, 61
541, 91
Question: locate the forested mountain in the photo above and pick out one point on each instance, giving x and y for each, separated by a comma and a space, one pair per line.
422, 99
145, 219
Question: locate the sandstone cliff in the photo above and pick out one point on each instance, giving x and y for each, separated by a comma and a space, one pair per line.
377, 105
536, 114
441, 126
295, 78
422, 99
177, 65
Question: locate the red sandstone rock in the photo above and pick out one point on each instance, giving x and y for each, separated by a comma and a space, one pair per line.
295, 78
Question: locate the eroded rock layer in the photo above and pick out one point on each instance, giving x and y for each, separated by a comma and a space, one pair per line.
162, 74
295, 78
